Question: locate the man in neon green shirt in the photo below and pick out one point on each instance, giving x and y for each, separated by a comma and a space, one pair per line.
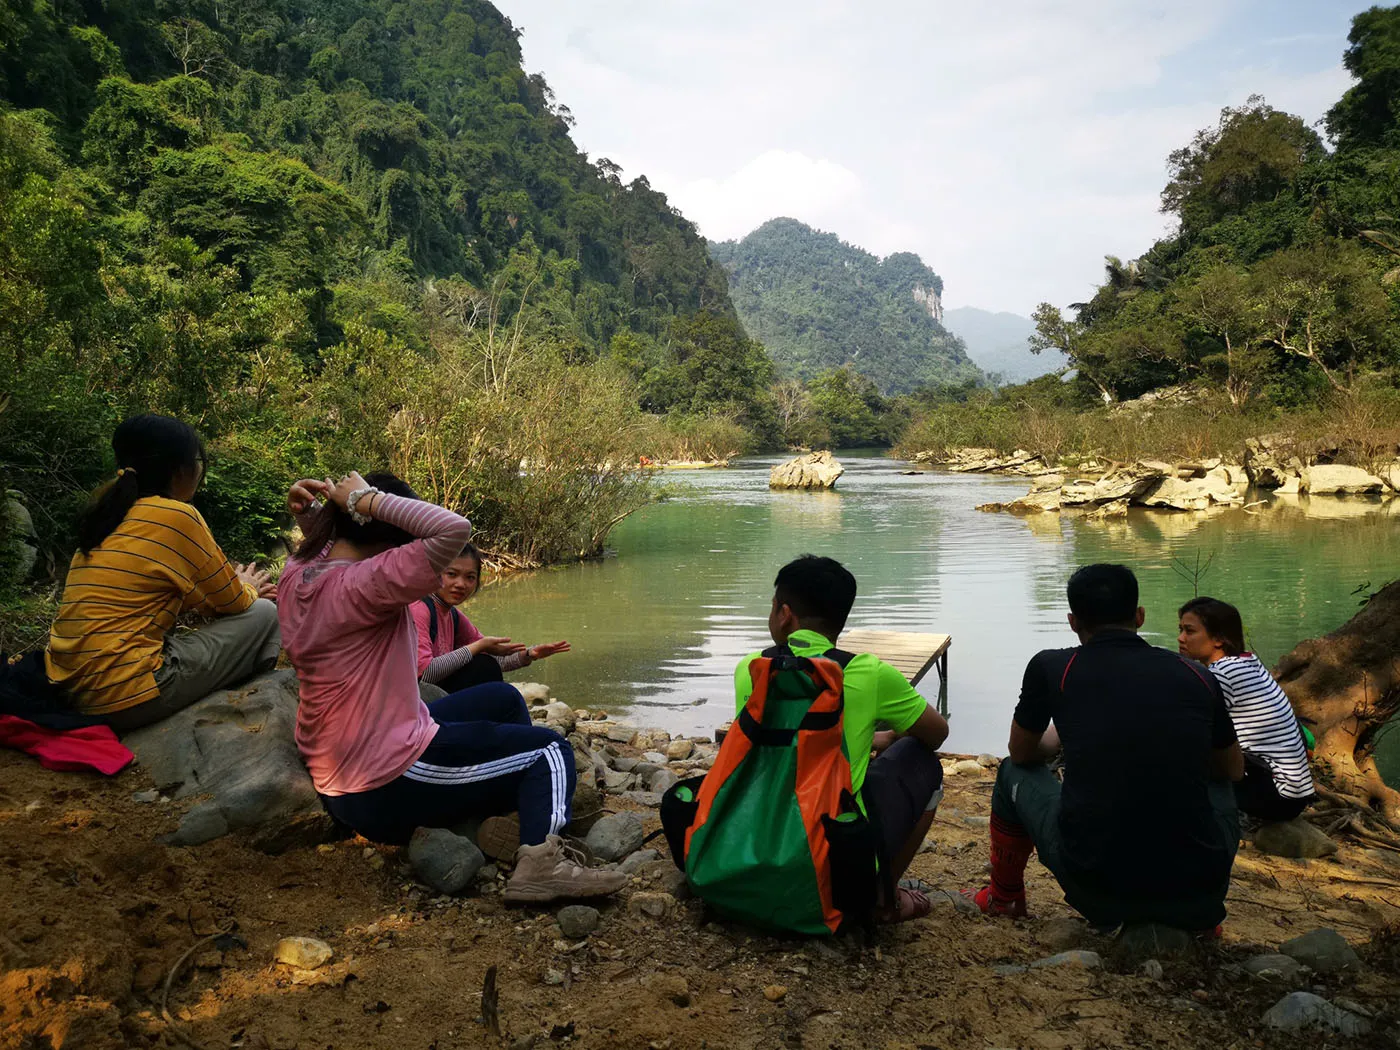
900, 786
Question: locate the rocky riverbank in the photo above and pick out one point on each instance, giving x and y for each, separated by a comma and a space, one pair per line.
114, 938
1104, 488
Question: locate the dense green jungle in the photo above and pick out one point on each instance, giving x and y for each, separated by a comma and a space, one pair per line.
350, 232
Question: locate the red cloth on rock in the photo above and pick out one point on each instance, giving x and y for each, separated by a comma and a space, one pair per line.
87, 747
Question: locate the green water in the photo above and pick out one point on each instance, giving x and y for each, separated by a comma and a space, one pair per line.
658, 629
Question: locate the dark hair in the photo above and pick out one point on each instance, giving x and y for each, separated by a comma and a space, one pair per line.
333, 524
1221, 621
820, 591
1103, 596
151, 450
470, 550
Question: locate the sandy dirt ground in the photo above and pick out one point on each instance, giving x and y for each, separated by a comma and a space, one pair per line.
96, 914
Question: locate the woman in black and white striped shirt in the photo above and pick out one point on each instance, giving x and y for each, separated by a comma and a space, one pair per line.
1277, 782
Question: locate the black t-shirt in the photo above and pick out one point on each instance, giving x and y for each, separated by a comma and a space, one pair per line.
1138, 726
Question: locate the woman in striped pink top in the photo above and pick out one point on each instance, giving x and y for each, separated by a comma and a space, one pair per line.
383, 761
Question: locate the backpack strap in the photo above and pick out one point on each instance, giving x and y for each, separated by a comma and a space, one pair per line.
782, 658
432, 619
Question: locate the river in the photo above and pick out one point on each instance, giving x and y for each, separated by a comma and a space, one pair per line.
658, 628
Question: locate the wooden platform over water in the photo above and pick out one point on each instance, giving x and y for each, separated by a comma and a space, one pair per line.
911, 652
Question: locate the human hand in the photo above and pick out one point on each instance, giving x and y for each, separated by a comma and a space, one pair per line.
546, 649
257, 578
493, 646
881, 740
301, 497
339, 491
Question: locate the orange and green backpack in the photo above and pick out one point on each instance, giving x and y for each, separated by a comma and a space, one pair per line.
773, 835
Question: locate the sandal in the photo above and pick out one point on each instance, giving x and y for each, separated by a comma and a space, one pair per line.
909, 904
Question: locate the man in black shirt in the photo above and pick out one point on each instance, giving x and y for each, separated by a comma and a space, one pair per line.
1144, 828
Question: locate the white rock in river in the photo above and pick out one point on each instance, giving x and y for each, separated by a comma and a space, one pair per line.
817, 470
1338, 480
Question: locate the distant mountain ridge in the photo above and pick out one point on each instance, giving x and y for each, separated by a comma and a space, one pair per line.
817, 303
996, 342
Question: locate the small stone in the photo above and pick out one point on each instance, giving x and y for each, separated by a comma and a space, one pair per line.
670, 987
1152, 970
674, 882
577, 921
615, 836
1274, 966
615, 780
620, 734
634, 861
973, 820
650, 799
553, 977
1077, 959
1296, 838
559, 715
679, 749
775, 993
448, 863
1009, 969
656, 758
487, 873
147, 796
1322, 950
652, 905
1299, 1010
662, 781
624, 763
304, 953
644, 770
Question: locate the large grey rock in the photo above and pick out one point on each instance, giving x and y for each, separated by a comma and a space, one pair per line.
1268, 466
1296, 838
236, 746
817, 470
446, 862
1323, 950
662, 781
1334, 479
1273, 964
18, 532
1299, 1010
615, 836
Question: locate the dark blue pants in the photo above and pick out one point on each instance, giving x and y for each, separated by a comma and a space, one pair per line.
486, 759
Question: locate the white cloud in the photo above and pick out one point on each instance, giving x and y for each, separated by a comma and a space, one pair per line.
1012, 145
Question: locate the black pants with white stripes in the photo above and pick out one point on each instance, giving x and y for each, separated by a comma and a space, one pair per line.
486, 759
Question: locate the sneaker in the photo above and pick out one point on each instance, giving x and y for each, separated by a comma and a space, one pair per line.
499, 837
552, 870
990, 904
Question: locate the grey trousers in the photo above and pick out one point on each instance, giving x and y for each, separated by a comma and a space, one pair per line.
197, 663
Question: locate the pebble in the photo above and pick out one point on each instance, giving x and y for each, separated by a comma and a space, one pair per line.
448, 863
1152, 970
553, 977
634, 861
615, 836
577, 921
1322, 950
1298, 1010
1077, 959
662, 781
652, 905
775, 993
670, 987
305, 953
149, 795
679, 749
487, 873
1274, 965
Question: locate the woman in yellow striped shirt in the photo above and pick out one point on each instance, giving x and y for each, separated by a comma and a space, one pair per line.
146, 556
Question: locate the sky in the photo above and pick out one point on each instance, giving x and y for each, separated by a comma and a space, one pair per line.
1012, 144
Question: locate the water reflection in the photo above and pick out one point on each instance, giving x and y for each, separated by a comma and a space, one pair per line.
659, 628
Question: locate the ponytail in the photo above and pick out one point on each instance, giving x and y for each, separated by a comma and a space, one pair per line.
151, 451
331, 523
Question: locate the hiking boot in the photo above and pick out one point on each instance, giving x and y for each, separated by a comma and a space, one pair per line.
989, 903
552, 870
499, 837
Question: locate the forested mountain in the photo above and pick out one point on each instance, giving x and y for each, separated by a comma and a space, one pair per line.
996, 342
334, 232
1280, 284
818, 303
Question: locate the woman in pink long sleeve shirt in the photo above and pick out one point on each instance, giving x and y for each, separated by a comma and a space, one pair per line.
383, 761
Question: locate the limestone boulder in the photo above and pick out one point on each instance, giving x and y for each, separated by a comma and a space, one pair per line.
816, 470
1189, 494
1335, 479
1269, 465
18, 532
236, 747
1124, 483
